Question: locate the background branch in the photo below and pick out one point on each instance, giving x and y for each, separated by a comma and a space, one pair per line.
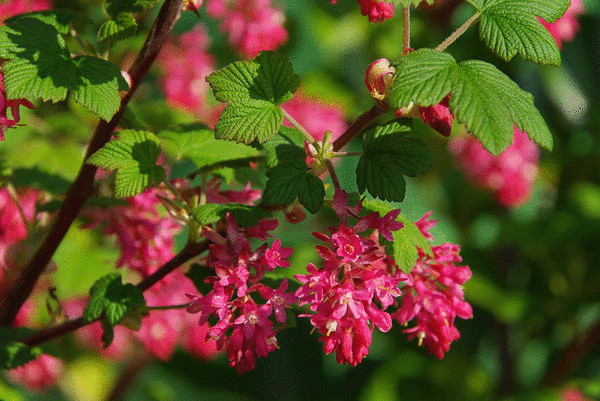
81, 188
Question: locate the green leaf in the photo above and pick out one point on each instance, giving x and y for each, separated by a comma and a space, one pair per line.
198, 273
290, 181
60, 20
406, 240
121, 27
98, 85
114, 7
422, 77
511, 27
389, 154
491, 104
197, 143
245, 215
269, 77
285, 147
34, 177
111, 301
488, 102
134, 154
40, 66
14, 354
254, 119
209, 213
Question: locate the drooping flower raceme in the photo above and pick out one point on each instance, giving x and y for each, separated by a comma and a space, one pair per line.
509, 175
246, 327
433, 295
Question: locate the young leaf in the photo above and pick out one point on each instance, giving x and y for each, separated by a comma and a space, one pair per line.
511, 27
488, 102
406, 239
197, 143
389, 154
209, 213
134, 154
110, 301
269, 77
290, 181
121, 27
254, 119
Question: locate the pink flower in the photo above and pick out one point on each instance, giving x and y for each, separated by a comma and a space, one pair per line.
438, 117
376, 10
573, 394
252, 25
565, 28
145, 238
186, 63
433, 295
316, 116
39, 374
13, 7
509, 176
275, 256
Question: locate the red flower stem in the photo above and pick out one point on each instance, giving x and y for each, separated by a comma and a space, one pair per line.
191, 250
572, 355
81, 188
332, 174
406, 29
359, 125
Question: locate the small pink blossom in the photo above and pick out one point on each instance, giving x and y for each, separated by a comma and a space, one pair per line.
276, 255
316, 116
376, 10
509, 175
566, 27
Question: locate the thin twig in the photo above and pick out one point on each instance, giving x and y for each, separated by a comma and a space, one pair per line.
81, 188
332, 174
187, 253
359, 125
299, 127
456, 34
405, 29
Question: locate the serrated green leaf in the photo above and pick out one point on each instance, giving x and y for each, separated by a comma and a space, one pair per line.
111, 301
290, 181
491, 104
197, 143
39, 66
388, 155
60, 20
114, 7
285, 147
134, 154
255, 119
422, 78
121, 27
488, 102
209, 213
406, 239
269, 77
98, 85
511, 27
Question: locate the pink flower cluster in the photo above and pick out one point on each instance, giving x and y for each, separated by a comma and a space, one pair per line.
316, 116
510, 175
245, 326
252, 25
145, 238
186, 63
13, 7
565, 28
433, 295
376, 10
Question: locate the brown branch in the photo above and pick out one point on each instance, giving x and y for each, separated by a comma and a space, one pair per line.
191, 250
359, 125
572, 355
81, 188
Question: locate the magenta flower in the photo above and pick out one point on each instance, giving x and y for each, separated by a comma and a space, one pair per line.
13, 7
275, 255
376, 10
316, 115
566, 27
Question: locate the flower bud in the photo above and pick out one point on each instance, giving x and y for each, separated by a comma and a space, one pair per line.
379, 77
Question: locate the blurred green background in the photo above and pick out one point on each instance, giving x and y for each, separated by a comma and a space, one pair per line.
536, 269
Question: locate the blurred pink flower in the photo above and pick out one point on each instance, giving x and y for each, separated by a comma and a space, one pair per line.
376, 10
252, 25
509, 175
186, 63
39, 374
565, 28
13, 7
316, 116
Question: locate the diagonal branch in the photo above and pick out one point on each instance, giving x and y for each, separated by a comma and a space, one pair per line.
190, 251
81, 188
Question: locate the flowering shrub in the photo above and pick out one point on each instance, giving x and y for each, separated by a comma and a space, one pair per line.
193, 187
